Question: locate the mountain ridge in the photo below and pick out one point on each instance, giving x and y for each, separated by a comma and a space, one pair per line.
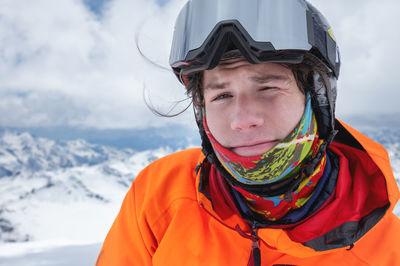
39, 176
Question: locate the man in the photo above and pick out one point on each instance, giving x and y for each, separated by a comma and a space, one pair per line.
279, 180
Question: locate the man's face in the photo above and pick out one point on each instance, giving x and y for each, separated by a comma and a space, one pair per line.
250, 108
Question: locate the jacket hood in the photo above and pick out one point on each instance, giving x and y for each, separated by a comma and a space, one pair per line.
377, 153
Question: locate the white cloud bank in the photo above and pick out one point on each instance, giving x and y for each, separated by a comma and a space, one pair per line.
62, 65
367, 32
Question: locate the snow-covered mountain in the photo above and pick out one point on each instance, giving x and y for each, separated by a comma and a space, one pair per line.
63, 191
66, 193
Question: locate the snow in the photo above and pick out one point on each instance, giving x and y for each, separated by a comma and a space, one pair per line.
59, 199
49, 254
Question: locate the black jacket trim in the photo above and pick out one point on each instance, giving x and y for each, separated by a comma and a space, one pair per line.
348, 233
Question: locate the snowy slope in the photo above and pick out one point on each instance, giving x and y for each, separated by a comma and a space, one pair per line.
63, 192
68, 255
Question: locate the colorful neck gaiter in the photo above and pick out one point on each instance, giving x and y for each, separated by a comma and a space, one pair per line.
274, 208
282, 161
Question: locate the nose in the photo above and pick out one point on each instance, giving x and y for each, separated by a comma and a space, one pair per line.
246, 115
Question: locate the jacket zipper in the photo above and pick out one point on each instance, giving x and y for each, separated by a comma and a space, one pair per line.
255, 256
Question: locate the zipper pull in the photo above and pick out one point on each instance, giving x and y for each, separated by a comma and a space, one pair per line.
255, 256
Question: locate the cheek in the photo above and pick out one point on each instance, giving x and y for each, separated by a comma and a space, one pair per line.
291, 111
283, 112
217, 123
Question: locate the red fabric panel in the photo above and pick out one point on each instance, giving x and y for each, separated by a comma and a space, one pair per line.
222, 199
360, 189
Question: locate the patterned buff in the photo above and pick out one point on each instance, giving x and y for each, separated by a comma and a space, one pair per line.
274, 208
279, 163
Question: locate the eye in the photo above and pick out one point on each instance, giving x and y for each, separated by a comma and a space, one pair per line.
221, 96
268, 88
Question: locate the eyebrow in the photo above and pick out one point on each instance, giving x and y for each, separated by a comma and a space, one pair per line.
265, 78
259, 78
216, 85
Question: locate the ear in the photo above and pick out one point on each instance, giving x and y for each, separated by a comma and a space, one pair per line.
184, 79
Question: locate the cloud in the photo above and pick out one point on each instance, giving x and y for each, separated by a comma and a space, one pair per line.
34, 110
80, 70
62, 64
367, 34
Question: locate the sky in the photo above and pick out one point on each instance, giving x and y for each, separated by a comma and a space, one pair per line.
75, 63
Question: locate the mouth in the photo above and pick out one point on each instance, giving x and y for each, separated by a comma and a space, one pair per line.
254, 149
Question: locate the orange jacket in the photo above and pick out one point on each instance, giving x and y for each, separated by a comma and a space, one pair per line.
166, 220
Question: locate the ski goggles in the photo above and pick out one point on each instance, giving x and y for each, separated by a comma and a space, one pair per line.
281, 31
